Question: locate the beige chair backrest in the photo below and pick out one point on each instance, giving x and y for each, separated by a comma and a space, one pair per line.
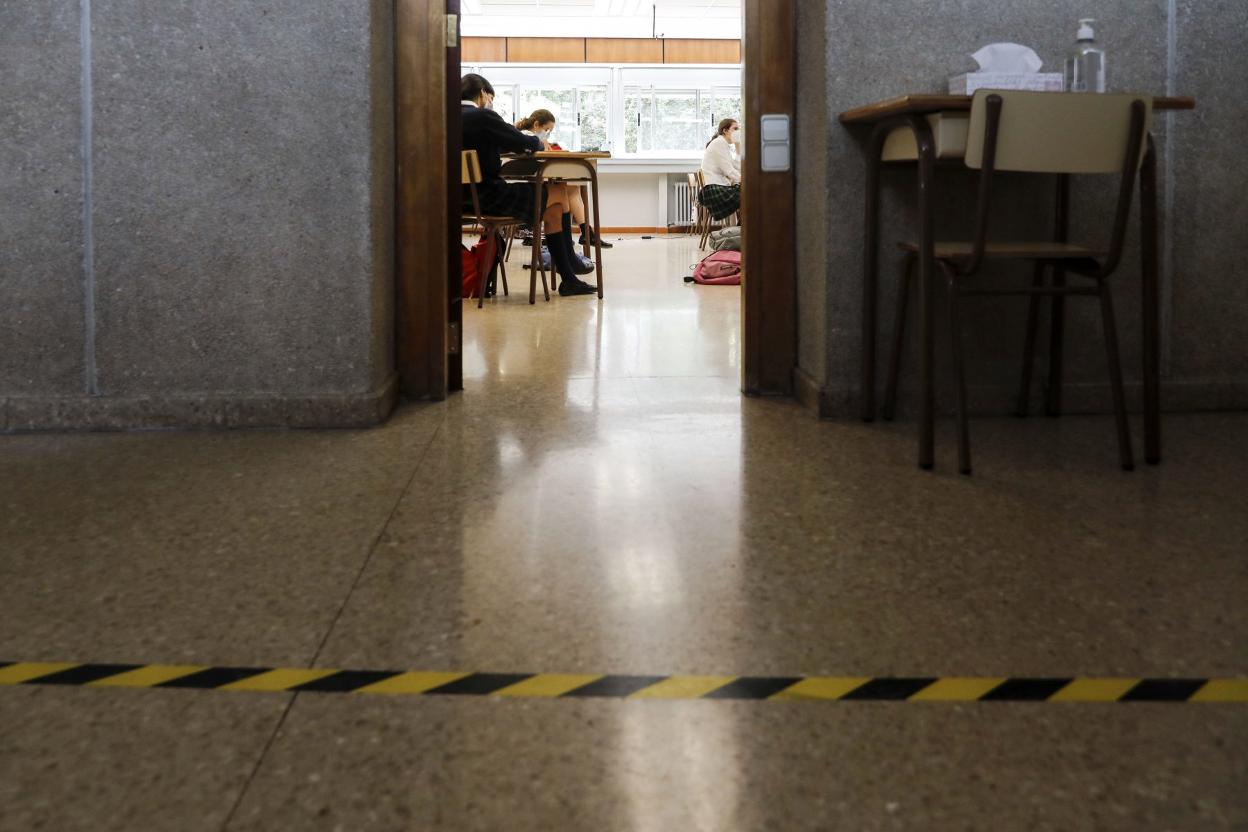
1050, 132
471, 168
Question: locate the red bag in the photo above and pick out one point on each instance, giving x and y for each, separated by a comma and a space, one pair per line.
471, 262
720, 268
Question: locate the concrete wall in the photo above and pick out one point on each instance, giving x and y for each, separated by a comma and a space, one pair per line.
854, 52
197, 213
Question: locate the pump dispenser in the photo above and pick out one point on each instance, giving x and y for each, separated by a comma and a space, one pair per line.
1085, 68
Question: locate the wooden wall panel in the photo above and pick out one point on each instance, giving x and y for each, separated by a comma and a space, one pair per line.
484, 50
682, 51
546, 50
624, 51
769, 208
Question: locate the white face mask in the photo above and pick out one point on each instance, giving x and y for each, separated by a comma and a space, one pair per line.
544, 135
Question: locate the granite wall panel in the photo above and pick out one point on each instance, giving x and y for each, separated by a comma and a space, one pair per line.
240, 249
813, 124
1208, 342
41, 229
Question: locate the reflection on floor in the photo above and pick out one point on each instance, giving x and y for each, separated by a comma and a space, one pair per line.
601, 500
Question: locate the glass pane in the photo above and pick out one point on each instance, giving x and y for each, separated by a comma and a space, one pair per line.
726, 103
677, 125
638, 120
706, 111
559, 100
505, 103
592, 106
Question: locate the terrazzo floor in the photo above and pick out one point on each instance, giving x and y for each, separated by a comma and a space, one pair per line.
601, 499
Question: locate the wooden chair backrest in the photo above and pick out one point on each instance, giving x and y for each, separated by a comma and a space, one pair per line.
470, 168
1049, 132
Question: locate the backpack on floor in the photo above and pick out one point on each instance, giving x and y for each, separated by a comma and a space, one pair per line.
720, 268
470, 264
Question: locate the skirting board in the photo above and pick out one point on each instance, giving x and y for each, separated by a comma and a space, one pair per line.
204, 412
1176, 397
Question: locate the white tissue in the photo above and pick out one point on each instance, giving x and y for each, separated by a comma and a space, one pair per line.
1008, 58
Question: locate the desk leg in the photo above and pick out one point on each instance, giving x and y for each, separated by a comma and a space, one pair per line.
597, 238
927, 285
1150, 286
871, 272
535, 264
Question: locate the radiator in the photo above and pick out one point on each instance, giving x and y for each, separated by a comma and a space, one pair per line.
683, 211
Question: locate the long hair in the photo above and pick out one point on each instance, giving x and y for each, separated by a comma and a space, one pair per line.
535, 118
723, 128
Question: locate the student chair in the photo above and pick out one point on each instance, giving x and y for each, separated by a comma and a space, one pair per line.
491, 226
1039, 133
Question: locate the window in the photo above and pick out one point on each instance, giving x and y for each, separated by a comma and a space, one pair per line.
666, 121
582, 114
664, 111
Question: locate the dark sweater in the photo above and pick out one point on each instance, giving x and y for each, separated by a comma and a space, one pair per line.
487, 133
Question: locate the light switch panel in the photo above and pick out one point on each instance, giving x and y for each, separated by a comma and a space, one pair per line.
776, 152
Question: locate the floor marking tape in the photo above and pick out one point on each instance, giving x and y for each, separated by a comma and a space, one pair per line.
561, 685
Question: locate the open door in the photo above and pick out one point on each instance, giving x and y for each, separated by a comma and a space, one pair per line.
429, 325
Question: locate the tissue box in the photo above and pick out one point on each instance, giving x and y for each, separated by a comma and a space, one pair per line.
1038, 81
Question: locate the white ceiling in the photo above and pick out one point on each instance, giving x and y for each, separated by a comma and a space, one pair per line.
602, 18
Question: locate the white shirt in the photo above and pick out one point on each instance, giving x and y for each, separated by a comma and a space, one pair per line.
720, 165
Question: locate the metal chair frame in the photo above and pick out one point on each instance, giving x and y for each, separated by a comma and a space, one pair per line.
1084, 263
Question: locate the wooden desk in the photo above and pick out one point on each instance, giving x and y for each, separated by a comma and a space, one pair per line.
557, 166
911, 112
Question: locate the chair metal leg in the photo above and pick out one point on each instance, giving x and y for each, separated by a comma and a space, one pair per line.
1057, 338
1115, 377
899, 336
959, 370
502, 266
1029, 342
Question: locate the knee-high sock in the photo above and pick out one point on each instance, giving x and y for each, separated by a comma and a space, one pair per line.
558, 245
567, 236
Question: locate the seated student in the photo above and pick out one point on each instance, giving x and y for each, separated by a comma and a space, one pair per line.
541, 123
721, 171
485, 132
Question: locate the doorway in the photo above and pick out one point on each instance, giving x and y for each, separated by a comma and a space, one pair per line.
429, 313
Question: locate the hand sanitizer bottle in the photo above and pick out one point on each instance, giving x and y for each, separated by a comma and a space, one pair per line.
1085, 68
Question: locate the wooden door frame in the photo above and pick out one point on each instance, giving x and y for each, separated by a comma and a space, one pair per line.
427, 259
424, 241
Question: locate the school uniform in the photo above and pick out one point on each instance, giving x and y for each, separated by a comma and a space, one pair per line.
721, 172
485, 132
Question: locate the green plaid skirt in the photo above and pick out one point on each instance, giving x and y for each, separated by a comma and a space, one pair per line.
721, 200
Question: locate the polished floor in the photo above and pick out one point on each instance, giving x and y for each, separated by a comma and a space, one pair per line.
601, 500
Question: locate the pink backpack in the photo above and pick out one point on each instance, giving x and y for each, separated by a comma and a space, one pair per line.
721, 268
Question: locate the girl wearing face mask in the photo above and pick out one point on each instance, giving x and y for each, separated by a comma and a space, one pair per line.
541, 123
484, 131
721, 171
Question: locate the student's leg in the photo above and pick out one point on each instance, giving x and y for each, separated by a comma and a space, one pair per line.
558, 222
579, 216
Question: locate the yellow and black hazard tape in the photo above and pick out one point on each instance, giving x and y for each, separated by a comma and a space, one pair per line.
555, 685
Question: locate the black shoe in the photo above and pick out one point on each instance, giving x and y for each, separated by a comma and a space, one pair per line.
583, 265
599, 240
576, 287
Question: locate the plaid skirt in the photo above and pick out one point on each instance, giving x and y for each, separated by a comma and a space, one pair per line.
721, 200
504, 199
